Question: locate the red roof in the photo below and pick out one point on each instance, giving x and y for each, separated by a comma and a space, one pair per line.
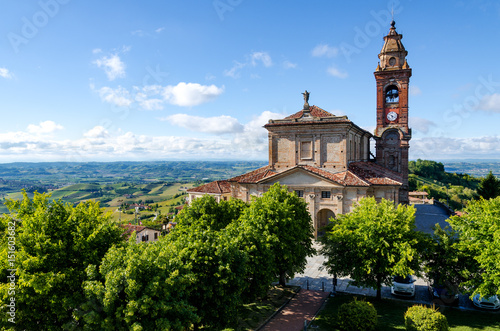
315, 111
317, 116
376, 174
254, 176
344, 178
218, 187
417, 193
357, 174
129, 228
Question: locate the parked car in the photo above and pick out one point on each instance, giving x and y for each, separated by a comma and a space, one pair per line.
442, 294
403, 286
491, 302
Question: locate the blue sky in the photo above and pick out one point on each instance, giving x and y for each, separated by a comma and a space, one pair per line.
190, 80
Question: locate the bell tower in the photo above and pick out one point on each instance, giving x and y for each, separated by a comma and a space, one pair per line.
392, 134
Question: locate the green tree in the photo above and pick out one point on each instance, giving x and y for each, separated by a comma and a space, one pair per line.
207, 212
140, 287
444, 263
489, 187
372, 243
54, 244
282, 224
186, 279
218, 265
427, 168
479, 229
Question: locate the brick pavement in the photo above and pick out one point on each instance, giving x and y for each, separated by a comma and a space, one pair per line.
302, 307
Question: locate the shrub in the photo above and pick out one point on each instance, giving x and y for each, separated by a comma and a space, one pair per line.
421, 318
357, 315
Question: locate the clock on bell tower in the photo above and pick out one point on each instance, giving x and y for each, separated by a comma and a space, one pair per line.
392, 134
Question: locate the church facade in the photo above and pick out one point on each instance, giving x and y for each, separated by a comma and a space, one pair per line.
326, 159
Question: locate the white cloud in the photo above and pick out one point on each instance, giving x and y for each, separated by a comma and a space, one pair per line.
415, 90
191, 94
252, 60
289, 65
96, 51
149, 104
96, 132
138, 33
112, 66
240, 141
22, 146
5, 73
421, 124
44, 127
263, 57
233, 72
213, 125
490, 103
117, 96
154, 97
254, 136
324, 50
449, 148
160, 29
336, 72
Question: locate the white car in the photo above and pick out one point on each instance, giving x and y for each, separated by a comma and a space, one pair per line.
491, 302
403, 286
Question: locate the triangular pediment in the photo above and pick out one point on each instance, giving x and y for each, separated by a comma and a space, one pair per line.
300, 177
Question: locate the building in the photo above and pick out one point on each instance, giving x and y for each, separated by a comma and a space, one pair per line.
326, 159
143, 233
419, 198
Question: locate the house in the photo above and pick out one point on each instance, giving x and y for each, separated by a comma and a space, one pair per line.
143, 233
418, 197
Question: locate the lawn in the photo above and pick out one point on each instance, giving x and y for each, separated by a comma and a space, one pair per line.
255, 314
391, 315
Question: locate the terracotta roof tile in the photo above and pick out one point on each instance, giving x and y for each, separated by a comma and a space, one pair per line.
315, 111
345, 178
357, 174
217, 187
375, 174
129, 228
254, 176
417, 193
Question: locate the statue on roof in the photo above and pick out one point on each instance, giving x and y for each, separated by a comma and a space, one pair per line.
306, 99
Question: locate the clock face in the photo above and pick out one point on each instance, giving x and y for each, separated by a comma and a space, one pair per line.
392, 116
392, 61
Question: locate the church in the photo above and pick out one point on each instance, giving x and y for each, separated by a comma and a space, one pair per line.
326, 160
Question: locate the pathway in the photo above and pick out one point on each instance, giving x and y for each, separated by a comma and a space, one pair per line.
302, 307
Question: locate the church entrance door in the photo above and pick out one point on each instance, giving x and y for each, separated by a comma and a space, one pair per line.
323, 218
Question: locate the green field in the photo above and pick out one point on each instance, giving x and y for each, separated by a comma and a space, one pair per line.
160, 195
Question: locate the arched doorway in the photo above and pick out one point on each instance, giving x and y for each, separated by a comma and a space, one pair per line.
323, 218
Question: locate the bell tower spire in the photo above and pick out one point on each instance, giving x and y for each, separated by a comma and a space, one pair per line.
392, 134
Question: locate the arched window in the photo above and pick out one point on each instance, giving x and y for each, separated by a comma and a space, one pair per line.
392, 94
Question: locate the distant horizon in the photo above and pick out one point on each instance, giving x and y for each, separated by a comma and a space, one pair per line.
470, 160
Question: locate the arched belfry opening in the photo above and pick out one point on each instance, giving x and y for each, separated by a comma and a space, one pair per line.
392, 94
